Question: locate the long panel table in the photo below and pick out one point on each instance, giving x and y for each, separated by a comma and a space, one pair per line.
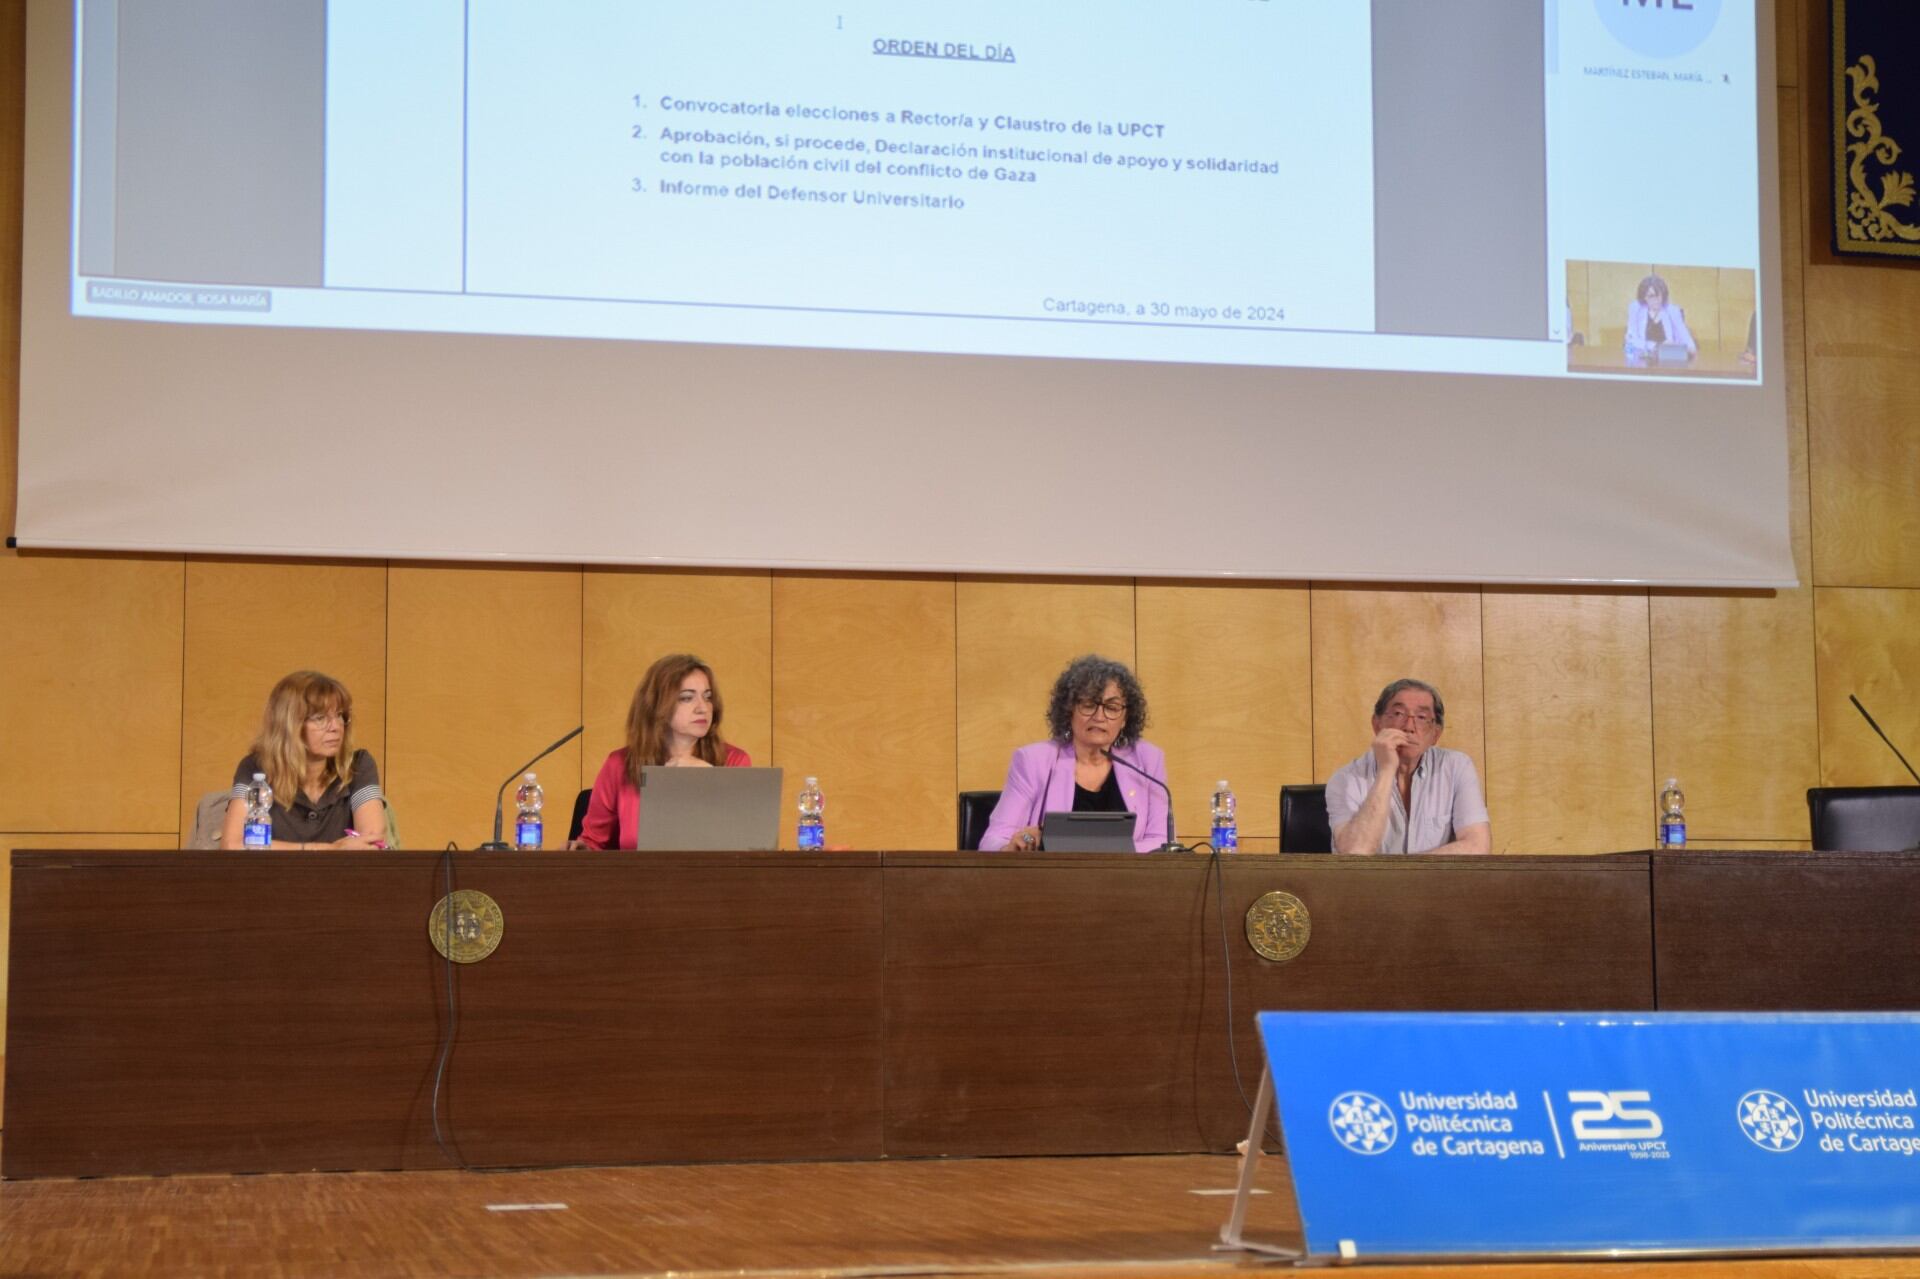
197, 1012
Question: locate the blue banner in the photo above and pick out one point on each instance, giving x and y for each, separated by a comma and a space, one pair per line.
1436, 1133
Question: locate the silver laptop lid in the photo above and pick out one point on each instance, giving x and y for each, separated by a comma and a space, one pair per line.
709, 810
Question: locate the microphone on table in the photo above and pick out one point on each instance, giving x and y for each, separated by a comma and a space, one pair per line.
496, 845
1883, 737
1169, 846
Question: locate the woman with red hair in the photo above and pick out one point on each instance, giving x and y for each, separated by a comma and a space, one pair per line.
674, 720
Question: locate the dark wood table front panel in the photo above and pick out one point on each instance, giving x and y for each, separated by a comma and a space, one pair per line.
1079, 1004
183, 1012
1760, 931
234, 1012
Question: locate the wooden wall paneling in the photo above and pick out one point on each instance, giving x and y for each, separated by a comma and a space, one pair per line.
483, 669
863, 699
250, 622
91, 691
1228, 670
1787, 40
1867, 644
1863, 379
1364, 637
631, 617
9, 842
1734, 715
1569, 721
1011, 640
13, 129
1814, 78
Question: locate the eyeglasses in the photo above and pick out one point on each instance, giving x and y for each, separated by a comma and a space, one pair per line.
1421, 720
321, 719
1114, 709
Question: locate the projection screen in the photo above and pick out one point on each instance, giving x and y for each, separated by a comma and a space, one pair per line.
1482, 290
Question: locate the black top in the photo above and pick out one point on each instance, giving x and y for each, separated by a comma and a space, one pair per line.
1656, 331
296, 819
1105, 800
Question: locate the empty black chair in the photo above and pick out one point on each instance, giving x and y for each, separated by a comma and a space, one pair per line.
976, 809
1303, 820
1865, 819
579, 814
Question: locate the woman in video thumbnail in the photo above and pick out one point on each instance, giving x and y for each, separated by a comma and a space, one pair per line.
1653, 321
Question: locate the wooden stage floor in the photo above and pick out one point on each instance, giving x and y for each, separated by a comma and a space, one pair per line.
1110, 1218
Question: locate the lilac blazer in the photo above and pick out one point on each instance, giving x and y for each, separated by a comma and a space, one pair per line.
1040, 781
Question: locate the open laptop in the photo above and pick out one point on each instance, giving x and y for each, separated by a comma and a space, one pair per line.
709, 810
1087, 832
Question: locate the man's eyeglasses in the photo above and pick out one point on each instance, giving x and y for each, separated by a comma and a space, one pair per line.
1421, 720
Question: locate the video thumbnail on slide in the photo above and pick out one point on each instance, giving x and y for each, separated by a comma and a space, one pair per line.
1648, 317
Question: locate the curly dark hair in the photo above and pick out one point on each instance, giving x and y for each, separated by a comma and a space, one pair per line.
1084, 680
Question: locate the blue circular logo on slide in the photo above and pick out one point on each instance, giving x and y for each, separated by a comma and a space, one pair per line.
1659, 28
1362, 1123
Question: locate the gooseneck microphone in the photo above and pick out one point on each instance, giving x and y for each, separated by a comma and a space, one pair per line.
1883, 737
496, 845
1170, 845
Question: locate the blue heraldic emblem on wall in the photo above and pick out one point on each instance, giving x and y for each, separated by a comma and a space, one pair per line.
1875, 128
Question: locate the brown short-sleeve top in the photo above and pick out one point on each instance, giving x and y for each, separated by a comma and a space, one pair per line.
300, 820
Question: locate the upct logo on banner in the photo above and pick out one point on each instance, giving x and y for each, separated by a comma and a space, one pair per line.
1363, 1123
1659, 28
1770, 1121
1636, 1124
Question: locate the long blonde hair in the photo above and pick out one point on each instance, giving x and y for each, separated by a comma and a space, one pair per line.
281, 749
652, 709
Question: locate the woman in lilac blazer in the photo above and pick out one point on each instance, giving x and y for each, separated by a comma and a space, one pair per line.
1093, 761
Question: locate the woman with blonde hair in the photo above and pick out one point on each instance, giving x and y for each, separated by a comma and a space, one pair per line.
674, 720
326, 794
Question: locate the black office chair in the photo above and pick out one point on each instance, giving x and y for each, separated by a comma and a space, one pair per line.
579, 814
1865, 819
976, 810
1303, 820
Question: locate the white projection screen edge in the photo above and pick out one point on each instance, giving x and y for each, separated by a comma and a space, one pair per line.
159, 414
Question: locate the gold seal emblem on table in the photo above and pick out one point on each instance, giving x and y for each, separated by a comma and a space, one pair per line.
466, 925
1278, 926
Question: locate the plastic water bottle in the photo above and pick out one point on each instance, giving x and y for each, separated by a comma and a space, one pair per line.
258, 832
1226, 830
813, 826
1673, 815
528, 829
